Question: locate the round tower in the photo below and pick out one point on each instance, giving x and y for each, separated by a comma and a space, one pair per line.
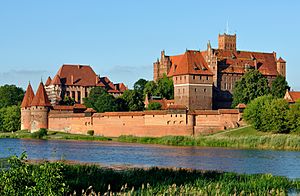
25, 108
39, 109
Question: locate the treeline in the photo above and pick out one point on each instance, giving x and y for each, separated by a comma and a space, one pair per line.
131, 100
10, 101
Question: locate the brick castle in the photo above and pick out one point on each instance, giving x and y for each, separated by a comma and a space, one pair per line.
205, 79
203, 84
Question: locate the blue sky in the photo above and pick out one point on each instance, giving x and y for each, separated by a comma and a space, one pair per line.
121, 39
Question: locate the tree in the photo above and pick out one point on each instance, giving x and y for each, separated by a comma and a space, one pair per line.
154, 106
134, 100
253, 112
139, 85
150, 89
294, 116
121, 104
279, 87
10, 95
67, 101
100, 100
10, 118
252, 85
165, 87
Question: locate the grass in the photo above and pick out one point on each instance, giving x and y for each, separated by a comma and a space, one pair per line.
246, 137
163, 181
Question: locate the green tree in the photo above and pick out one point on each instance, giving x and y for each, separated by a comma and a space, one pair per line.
10, 118
252, 85
67, 101
100, 100
150, 89
275, 116
294, 116
139, 85
121, 104
253, 113
165, 87
279, 87
154, 106
10, 95
134, 100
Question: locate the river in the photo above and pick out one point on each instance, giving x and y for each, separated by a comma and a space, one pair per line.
282, 163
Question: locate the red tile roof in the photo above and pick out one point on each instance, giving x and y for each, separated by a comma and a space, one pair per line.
294, 96
191, 62
121, 87
41, 98
48, 82
56, 80
79, 75
235, 61
28, 97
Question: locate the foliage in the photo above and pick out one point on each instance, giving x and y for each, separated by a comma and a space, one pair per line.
67, 101
251, 85
10, 118
162, 181
39, 134
134, 100
121, 104
100, 100
90, 132
24, 179
279, 87
139, 85
10, 95
154, 106
294, 116
253, 113
165, 88
150, 89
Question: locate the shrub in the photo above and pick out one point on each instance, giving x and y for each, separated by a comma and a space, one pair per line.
90, 132
40, 133
154, 106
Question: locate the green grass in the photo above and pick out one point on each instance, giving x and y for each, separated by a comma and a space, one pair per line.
246, 137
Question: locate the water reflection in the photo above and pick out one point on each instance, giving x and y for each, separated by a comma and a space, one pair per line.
284, 163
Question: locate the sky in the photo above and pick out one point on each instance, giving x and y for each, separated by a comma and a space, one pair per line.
121, 39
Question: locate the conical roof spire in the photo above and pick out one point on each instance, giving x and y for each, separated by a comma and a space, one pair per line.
41, 97
48, 82
28, 97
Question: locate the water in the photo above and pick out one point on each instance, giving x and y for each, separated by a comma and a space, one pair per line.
282, 163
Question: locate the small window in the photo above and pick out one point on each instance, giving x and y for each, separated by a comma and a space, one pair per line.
153, 115
175, 115
206, 77
195, 90
204, 90
193, 77
200, 77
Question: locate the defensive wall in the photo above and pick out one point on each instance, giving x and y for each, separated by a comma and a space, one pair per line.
146, 123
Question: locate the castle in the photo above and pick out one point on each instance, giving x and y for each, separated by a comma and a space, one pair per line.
205, 79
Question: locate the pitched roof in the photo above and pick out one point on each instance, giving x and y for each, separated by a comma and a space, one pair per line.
56, 80
41, 98
281, 60
81, 75
48, 82
28, 97
236, 61
292, 96
121, 87
191, 62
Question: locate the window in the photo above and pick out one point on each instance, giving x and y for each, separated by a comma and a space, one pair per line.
193, 77
195, 90
206, 77
204, 90
78, 96
73, 94
86, 94
200, 77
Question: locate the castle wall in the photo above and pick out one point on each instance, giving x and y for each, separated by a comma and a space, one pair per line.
38, 118
144, 124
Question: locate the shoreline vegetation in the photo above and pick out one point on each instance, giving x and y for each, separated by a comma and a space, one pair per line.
61, 178
243, 137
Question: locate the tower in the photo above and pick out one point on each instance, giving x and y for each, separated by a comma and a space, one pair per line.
161, 66
227, 42
39, 109
281, 67
25, 108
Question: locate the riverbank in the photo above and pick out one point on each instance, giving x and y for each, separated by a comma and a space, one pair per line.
244, 137
140, 181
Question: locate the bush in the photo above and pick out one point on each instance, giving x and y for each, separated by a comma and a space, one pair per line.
10, 118
40, 133
90, 132
154, 106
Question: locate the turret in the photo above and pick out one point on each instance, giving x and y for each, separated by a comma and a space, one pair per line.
40, 106
25, 108
281, 67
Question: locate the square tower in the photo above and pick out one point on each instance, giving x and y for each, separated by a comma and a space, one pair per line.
227, 42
